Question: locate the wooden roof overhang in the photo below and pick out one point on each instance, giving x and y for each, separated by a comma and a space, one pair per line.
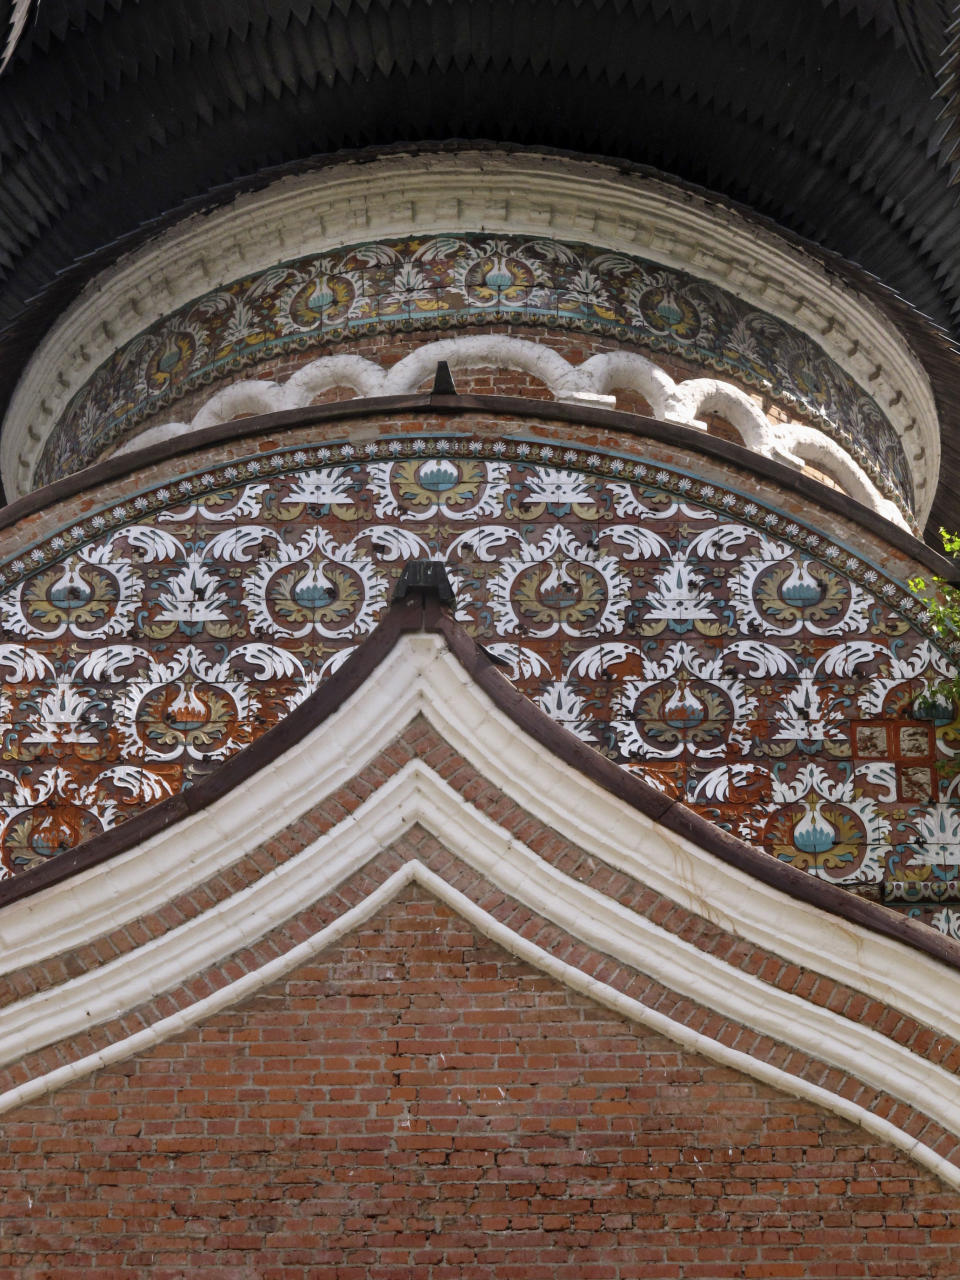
821, 116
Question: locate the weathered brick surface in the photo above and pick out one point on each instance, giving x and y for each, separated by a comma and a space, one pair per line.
417, 1103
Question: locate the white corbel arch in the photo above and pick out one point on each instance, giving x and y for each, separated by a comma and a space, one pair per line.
690, 399
238, 400
812, 447
157, 434
606, 372
493, 350
365, 377
680, 402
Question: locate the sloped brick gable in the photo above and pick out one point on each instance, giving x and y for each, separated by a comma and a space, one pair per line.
416, 1102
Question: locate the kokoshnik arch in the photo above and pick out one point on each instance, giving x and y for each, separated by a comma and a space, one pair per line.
656, 417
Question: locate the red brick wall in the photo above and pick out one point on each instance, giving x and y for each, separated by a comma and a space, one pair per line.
417, 1103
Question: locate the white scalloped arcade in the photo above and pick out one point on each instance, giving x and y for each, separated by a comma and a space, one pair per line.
486, 191
589, 383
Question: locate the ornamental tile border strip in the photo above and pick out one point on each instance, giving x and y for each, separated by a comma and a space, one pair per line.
458, 280
594, 459
709, 643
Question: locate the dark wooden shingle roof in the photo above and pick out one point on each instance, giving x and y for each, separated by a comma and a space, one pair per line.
116, 116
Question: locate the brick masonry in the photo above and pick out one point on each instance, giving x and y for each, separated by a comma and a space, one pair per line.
386, 349
417, 1102
420, 742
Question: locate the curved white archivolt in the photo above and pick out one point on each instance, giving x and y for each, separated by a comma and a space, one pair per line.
363, 377
415, 872
240, 400
477, 351
421, 677
589, 382
474, 191
613, 370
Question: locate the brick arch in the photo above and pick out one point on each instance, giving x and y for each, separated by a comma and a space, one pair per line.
606, 894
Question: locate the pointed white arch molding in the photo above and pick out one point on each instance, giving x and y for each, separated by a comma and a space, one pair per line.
589, 382
631, 1009
416, 795
419, 674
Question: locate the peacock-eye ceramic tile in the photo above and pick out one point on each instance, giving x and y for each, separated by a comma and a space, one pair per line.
459, 279
738, 659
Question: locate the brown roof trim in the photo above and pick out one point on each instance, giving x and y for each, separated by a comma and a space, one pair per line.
417, 612
631, 424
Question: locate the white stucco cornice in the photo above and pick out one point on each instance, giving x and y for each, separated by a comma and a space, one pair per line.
475, 191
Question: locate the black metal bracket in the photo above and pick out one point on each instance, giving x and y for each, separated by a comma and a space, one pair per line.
428, 578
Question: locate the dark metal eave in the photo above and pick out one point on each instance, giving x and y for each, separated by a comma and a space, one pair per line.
813, 112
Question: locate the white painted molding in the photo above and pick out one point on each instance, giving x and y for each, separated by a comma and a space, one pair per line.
420, 677
586, 383
478, 350
473, 191
633, 1010
416, 795
614, 369
708, 395
363, 376
239, 400
157, 435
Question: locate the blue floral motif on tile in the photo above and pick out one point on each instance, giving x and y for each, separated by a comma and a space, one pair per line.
457, 280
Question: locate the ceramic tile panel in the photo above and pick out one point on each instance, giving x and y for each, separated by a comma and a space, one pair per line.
460, 280
735, 657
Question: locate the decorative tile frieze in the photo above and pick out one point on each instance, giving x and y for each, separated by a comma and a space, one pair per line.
460, 280
733, 655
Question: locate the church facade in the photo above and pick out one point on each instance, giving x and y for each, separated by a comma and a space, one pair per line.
478, 791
